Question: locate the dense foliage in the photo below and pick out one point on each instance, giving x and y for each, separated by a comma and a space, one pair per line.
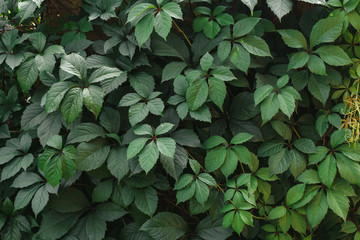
179, 119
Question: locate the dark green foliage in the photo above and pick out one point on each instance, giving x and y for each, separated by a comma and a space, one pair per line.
199, 120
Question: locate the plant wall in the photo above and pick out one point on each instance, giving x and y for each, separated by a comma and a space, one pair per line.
197, 119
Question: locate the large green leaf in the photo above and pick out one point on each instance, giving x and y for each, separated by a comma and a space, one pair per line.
280, 162
148, 156
117, 163
27, 74
256, 46
326, 30
317, 209
215, 158
56, 94
71, 107
91, 155
162, 24
146, 200
75, 65
338, 202
293, 38
280, 7
166, 146
54, 225
319, 88
165, 225
197, 94
327, 170
93, 99
144, 28
333, 55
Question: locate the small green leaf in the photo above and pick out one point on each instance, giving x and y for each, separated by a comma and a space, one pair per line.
277, 213
295, 194
327, 170
148, 156
293, 38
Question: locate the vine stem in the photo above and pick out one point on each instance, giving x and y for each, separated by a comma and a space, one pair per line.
296, 132
181, 31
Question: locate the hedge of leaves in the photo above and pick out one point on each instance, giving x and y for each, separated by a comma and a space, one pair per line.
166, 120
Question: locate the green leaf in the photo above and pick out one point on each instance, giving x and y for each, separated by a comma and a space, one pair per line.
197, 94
206, 62
71, 107
255, 46
293, 38
74, 64
95, 227
55, 95
333, 55
211, 29
212, 229
156, 106
339, 203
173, 9
144, 28
217, 91
102, 191
277, 213
174, 167
317, 209
316, 65
280, 162
280, 7
84, 132
91, 155
104, 73
54, 225
163, 128
348, 227
282, 129
162, 24
202, 191
138, 10
38, 40
338, 137
348, 169
241, 138
135, 147
26, 9
305, 145
138, 112
109, 211
295, 194
320, 154
27, 74
117, 163
24, 196
165, 225
251, 4
224, 19
261, 93
166, 146
326, 31
70, 200
215, 158
93, 99
245, 26
327, 170
240, 58
298, 60
269, 107
319, 88
26, 179
172, 70
350, 151
223, 73
40, 200
146, 200
148, 156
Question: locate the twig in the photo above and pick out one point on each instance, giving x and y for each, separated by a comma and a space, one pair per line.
181, 31
62, 15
